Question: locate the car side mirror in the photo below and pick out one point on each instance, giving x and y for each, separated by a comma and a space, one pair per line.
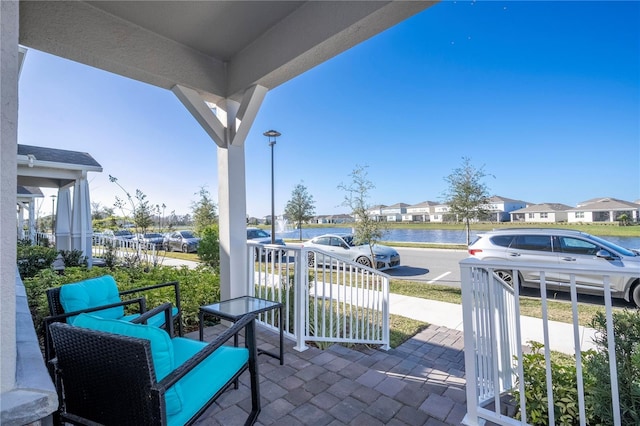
604, 254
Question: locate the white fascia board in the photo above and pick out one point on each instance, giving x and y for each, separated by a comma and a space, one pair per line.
23, 160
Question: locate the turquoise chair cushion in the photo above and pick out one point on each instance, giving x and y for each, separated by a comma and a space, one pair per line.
92, 293
201, 383
162, 351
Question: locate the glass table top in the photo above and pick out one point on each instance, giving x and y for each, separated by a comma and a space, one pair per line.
240, 306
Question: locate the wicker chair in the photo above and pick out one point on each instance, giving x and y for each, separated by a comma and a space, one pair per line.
57, 312
112, 379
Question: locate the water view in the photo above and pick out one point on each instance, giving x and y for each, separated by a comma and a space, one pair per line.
441, 236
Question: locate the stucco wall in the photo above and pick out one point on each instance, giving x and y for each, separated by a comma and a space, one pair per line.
8, 184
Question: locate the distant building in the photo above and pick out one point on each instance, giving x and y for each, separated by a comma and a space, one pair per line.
375, 212
541, 213
394, 212
603, 210
500, 207
420, 212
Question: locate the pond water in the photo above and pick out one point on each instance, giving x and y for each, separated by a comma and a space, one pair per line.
445, 236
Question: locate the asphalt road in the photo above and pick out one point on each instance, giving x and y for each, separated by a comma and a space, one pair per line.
433, 266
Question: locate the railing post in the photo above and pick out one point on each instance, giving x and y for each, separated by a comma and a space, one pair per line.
301, 278
471, 418
385, 314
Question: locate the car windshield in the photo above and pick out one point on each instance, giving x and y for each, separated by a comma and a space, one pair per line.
349, 240
187, 234
614, 247
152, 235
121, 233
257, 233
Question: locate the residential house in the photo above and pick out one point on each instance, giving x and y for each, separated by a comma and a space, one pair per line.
603, 210
541, 213
500, 207
440, 213
420, 212
394, 212
375, 212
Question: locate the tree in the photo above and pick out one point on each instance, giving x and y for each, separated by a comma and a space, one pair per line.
140, 208
467, 196
204, 211
367, 229
300, 207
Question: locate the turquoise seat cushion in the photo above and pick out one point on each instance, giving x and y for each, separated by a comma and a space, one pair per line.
91, 293
162, 351
156, 320
201, 383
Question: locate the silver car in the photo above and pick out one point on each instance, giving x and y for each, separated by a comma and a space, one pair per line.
342, 245
558, 247
260, 236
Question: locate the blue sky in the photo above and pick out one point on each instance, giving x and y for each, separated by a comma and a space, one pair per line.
544, 95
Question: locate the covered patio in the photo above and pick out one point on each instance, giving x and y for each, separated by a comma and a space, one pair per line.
219, 58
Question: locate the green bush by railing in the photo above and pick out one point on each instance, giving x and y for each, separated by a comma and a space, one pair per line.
198, 287
596, 377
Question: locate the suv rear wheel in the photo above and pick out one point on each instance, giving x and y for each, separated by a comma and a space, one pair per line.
507, 277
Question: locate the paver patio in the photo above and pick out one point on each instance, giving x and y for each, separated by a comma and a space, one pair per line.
419, 383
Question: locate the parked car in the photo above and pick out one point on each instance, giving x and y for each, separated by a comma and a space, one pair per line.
153, 239
260, 236
183, 241
120, 234
342, 245
558, 247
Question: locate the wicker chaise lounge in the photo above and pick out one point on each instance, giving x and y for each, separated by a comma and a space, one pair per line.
114, 372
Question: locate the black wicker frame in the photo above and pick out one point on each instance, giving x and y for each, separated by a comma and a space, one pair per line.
105, 378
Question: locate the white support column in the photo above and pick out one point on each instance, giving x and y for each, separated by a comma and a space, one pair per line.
20, 221
63, 220
32, 221
9, 65
229, 137
81, 227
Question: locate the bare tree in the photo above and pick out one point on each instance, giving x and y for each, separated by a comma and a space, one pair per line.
467, 196
368, 230
300, 207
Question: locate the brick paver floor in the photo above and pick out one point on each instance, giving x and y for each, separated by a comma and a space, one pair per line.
419, 383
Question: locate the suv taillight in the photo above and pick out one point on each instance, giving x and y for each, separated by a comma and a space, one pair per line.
473, 252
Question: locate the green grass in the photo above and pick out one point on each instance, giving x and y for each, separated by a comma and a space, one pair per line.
529, 306
403, 329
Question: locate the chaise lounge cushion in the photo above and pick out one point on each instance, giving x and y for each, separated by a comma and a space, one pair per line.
162, 351
96, 292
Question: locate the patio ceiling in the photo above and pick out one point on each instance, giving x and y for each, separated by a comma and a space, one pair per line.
218, 48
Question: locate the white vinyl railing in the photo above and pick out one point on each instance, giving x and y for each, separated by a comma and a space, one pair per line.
127, 250
325, 298
493, 339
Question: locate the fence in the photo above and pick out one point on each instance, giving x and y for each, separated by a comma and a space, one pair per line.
326, 299
493, 338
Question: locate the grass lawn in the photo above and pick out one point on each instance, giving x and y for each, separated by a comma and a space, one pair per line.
529, 306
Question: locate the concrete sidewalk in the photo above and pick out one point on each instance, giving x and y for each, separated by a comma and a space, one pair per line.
450, 315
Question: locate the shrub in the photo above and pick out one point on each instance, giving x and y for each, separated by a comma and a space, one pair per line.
209, 246
200, 286
565, 389
32, 259
626, 329
73, 258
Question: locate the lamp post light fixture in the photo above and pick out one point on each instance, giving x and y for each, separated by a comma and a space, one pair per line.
272, 135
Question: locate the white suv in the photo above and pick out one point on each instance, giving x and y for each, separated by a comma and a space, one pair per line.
557, 247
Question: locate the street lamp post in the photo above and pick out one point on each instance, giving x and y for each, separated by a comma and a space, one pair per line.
272, 135
53, 215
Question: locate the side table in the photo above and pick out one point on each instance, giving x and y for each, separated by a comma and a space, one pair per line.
234, 309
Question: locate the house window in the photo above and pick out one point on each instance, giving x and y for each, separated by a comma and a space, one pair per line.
531, 215
543, 215
579, 215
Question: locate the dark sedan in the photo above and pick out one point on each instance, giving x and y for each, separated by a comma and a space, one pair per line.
183, 241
